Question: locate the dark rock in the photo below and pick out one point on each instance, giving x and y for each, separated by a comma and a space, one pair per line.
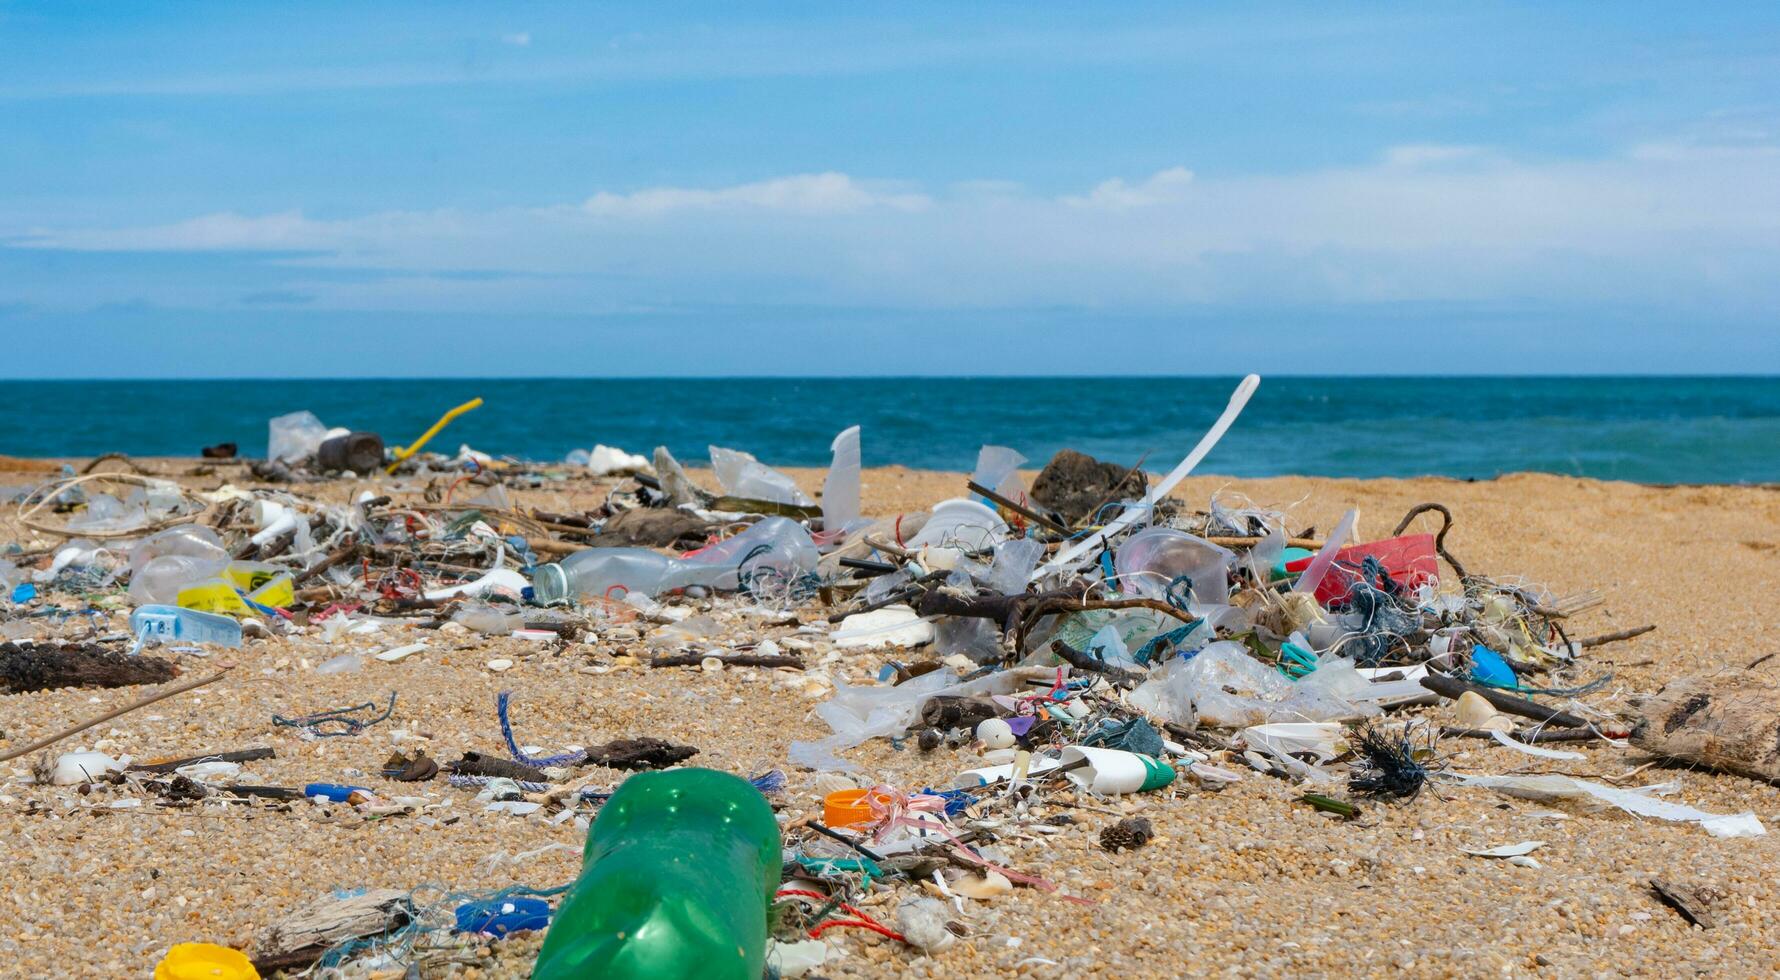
1073, 484
949, 711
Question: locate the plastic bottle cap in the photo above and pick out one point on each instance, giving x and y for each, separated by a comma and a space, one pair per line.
848, 807
205, 961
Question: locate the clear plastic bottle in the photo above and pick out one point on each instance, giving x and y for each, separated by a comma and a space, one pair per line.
599, 571
776, 543
159, 579
192, 540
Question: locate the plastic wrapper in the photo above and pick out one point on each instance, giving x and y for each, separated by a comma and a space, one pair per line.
1641, 801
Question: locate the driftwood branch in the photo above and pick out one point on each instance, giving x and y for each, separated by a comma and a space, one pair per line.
1452, 687
1439, 536
1081, 660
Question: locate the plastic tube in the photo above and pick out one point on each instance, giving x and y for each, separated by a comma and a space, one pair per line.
402, 454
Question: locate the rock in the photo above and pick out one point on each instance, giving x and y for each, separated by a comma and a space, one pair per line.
1072, 484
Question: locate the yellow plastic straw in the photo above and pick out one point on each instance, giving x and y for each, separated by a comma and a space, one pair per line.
444, 420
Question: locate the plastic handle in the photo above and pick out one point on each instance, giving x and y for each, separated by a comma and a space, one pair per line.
1238, 399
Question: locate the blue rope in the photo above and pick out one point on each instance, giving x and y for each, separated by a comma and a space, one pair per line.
537, 762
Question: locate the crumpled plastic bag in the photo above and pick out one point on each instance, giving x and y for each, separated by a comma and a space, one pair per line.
290, 438
858, 713
1225, 687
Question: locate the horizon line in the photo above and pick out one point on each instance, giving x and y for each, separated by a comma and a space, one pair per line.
1208, 376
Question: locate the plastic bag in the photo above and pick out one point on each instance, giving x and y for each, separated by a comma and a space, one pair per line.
962, 523
292, 437
744, 476
1223, 686
998, 469
1012, 568
193, 540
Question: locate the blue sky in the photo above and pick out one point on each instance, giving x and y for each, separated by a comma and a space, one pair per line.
354, 189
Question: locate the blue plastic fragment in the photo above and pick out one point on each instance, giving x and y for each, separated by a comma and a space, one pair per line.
499, 917
1488, 668
332, 792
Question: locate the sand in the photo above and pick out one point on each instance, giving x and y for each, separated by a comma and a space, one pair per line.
1242, 882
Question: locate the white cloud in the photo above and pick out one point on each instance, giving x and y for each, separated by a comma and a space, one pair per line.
1163, 187
825, 193
1654, 225
518, 39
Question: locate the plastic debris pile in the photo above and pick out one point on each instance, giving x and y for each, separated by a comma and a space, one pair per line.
1089, 638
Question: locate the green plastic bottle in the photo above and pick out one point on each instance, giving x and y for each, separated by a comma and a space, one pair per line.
679, 871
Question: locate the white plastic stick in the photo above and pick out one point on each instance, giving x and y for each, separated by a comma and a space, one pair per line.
1238, 399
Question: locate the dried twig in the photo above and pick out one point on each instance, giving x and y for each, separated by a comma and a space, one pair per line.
102, 719
1614, 637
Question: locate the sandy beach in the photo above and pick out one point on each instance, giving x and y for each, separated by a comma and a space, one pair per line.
1241, 882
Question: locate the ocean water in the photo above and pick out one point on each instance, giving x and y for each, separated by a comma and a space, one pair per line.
1652, 430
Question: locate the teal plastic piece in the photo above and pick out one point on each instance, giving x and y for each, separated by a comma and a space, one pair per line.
1295, 661
1286, 558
